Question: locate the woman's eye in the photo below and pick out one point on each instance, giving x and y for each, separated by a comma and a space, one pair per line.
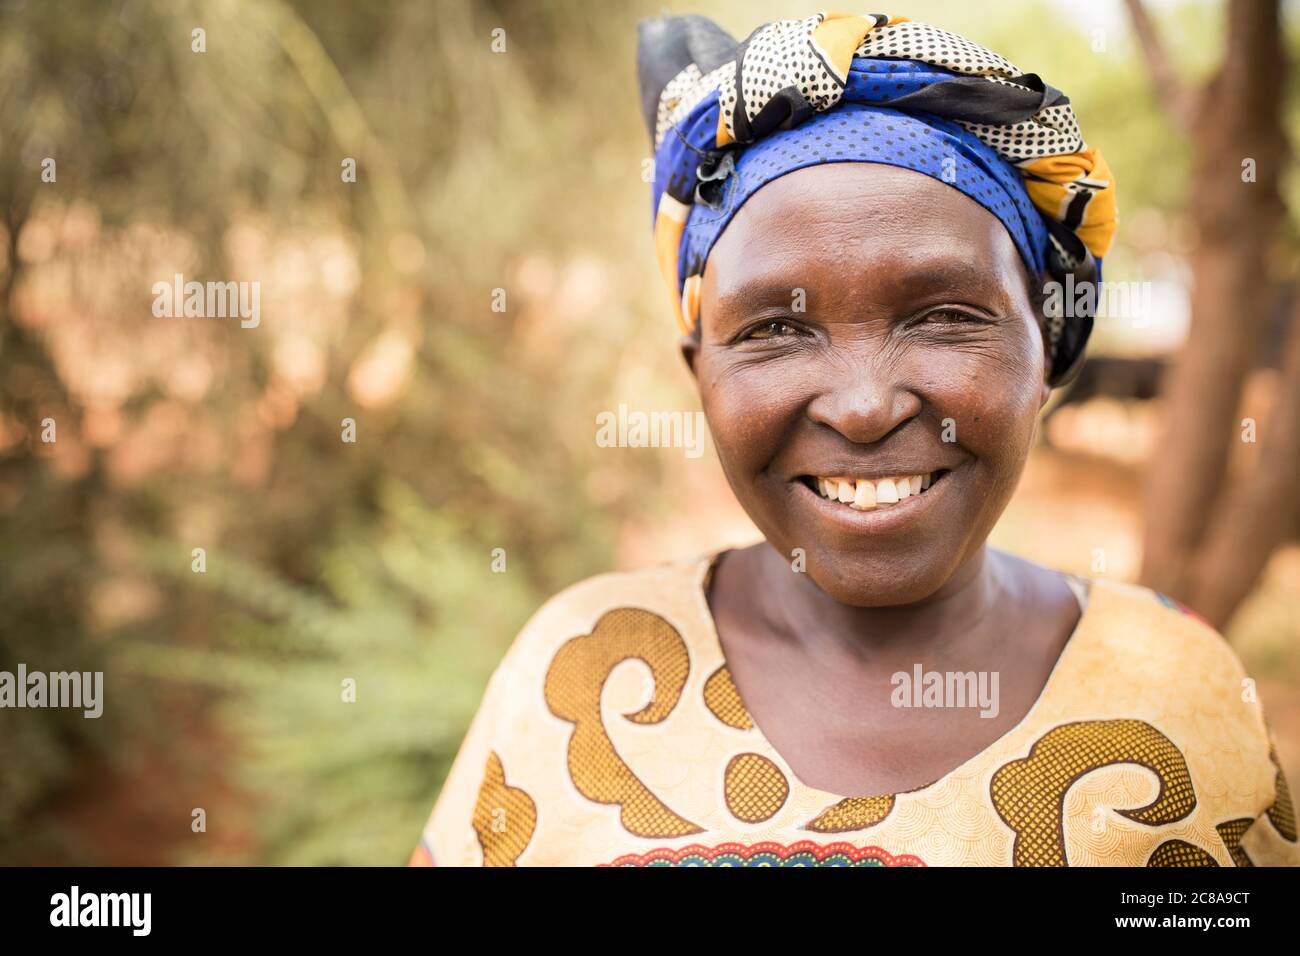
771, 330
952, 317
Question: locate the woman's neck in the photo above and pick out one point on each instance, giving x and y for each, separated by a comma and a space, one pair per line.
794, 608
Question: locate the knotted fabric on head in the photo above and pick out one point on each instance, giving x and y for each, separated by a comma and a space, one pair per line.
729, 117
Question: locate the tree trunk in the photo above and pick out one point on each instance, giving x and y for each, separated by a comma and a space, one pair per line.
1239, 119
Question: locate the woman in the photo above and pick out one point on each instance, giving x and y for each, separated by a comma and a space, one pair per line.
860, 218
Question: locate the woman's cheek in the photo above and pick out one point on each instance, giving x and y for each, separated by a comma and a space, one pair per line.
744, 411
995, 425
722, 409
993, 398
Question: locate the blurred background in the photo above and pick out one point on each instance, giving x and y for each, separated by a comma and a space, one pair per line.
482, 290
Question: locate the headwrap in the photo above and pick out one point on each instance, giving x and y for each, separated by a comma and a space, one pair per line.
728, 117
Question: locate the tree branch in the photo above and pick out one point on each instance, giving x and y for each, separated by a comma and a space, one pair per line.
1178, 99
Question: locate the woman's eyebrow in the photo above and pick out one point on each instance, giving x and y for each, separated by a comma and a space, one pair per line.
761, 292
959, 277
962, 276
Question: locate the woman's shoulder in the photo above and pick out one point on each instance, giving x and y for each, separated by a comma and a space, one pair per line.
627, 608
1138, 645
1154, 621
662, 588
1135, 620
1172, 693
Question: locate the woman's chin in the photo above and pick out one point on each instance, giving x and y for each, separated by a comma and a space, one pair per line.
869, 584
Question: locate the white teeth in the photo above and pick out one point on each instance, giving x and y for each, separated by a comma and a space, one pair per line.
864, 494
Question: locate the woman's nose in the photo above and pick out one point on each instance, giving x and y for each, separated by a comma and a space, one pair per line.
866, 408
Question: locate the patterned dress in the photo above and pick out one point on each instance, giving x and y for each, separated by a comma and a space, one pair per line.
613, 734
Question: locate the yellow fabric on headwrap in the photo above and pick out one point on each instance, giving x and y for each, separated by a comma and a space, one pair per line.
1055, 182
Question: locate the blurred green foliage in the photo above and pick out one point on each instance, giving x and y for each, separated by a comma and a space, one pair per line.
390, 613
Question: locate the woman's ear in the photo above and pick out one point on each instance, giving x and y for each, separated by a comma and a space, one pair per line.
690, 349
1037, 291
1045, 391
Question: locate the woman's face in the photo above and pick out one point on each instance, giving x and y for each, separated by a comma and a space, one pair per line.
861, 322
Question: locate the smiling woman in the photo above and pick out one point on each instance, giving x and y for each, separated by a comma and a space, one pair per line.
918, 355
857, 217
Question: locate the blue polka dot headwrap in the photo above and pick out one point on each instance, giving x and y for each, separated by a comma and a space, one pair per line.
728, 118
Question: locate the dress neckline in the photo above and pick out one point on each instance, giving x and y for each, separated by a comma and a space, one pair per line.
1084, 591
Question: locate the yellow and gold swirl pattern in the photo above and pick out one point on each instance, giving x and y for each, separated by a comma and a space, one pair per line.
572, 691
504, 817
1232, 831
1180, 853
852, 813
1029, 793
755, 788
723, 700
